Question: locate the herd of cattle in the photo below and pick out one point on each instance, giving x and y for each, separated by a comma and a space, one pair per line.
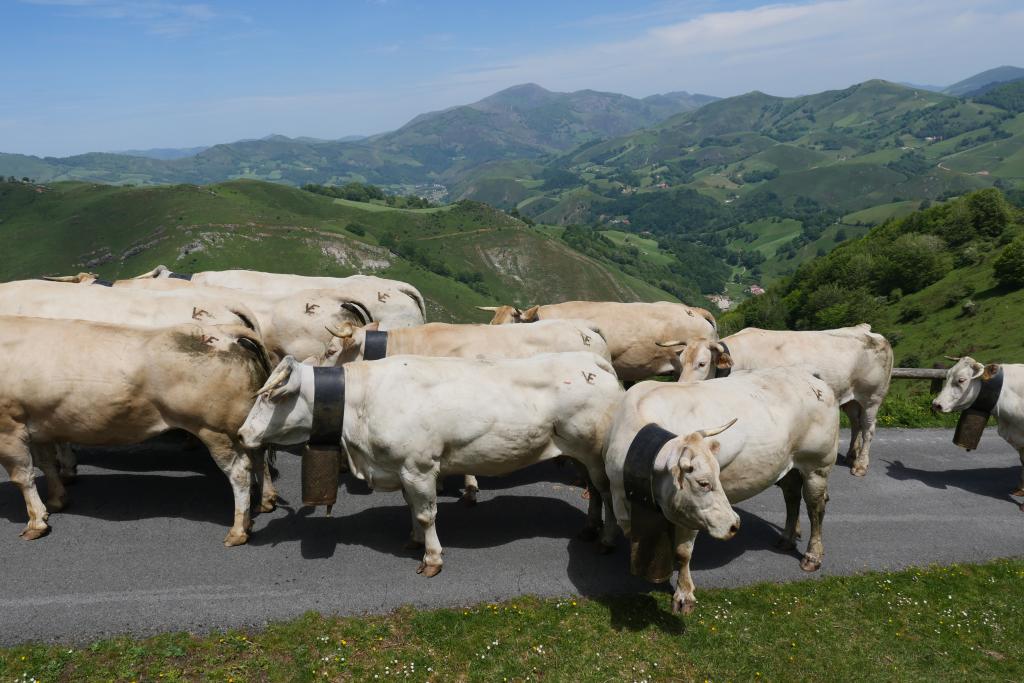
246, 361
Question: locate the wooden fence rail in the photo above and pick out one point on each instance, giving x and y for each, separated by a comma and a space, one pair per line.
918, 373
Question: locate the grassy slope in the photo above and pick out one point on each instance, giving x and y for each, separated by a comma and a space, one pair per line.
937, 624
120, 232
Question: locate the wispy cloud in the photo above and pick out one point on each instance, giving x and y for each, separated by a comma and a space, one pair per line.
170, 19
786, 48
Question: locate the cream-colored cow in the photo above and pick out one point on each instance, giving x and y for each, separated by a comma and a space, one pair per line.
392, 303
98, 384
632, 330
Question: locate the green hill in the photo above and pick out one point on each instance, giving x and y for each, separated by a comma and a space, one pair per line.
978, 83
459, 255
438, 148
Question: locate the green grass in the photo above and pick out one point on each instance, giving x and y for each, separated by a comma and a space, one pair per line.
648, 247
881, 213
934, 624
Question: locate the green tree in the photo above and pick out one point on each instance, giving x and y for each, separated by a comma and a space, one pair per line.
989, 212
1009, 266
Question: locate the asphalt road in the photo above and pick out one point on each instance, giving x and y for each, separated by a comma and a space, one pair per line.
139, 551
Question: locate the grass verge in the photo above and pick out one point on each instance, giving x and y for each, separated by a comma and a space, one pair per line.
960, 622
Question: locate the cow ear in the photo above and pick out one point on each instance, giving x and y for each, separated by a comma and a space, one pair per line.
714, 446
372, 327
990, 370
724, 361
530, 314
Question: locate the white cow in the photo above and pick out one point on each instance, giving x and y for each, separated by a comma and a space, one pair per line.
964, 382
392, 303
787, 433
410, 419
855, 362
98, 384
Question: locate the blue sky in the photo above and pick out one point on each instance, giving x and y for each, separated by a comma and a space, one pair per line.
88, 75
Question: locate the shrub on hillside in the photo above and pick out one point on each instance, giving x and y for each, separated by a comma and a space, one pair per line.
1009, 266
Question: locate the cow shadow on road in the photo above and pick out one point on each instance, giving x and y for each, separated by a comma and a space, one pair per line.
134, 496
993, 482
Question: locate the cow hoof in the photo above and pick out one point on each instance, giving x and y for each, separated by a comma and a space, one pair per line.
31, 533
859, 470
429, 570
268, 505
588, 533
809, 563
234, 539
1019, 492
413, 545
603, 549
785, 543
469, 497
684, 607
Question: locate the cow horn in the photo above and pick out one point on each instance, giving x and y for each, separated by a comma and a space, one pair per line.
276, 379
712, 432
492, 309
955, 360
342, 332
156, 272
674, 342
64, 278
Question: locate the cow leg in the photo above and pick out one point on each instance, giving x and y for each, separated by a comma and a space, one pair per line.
47, 458
815, 496
420, 489
268, 494
791, 484
853, 413
1020, 488
471, 487
869, 417
236, 463
416, 536
67, 462
16, 458
684, 600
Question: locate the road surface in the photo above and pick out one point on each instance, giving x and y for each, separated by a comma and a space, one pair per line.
139, 551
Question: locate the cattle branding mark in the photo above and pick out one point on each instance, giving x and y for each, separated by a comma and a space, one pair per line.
383, 296
198, 313
311, 308
689, 313
586, 339
589, 376
208, 339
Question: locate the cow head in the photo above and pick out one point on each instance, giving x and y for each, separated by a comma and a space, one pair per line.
299, 322
691, 496
283, 412
347, 344
503, 315
699, 358
963, 382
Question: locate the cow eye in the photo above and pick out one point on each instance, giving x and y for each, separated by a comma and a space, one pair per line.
701, 364
704, 484
962, 380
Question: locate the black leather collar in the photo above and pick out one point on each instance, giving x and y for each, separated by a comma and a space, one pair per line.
375, 345
989, 394
723, 372
102, 283
328, 406
638, 469
180, 276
